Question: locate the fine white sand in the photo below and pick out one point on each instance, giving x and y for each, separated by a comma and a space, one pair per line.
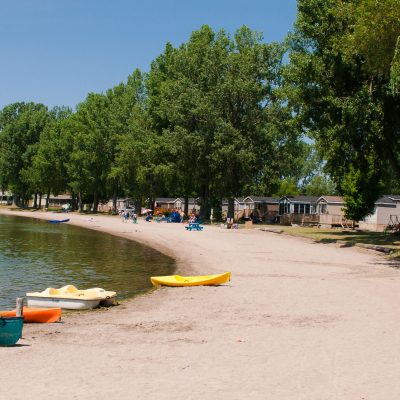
299, 320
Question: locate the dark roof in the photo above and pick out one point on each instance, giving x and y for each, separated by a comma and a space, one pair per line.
393, 197
300, 199
174, 199
165, 199
388, 199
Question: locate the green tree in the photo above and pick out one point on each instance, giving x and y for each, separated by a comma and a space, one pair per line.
342, 80
48, 173
89, 161
214, 97
319, 185
287, 186
21, 125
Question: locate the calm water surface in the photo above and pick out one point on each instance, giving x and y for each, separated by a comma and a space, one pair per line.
35, 254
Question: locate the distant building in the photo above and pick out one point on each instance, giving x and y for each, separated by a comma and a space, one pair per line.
54, 201
330, 212
386, 213
177, 203
6, 198
298, 210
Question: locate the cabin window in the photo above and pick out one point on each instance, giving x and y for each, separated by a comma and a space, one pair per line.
284, 208
301, 208
296, 208
308, 209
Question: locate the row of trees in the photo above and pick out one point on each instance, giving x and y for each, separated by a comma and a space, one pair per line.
224, 117
207, 121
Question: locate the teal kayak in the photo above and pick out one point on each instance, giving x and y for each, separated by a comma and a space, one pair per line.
10, 330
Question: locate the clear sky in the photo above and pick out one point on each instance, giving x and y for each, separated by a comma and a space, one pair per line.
57, 51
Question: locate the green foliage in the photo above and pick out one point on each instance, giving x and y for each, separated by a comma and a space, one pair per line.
213, 99
395, 71
342, 63
287, 187
359, 194
21, 125
211, 119
47, 172
319, 185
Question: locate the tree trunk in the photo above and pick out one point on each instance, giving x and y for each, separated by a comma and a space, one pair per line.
150, 203
80, 203
231, 207
35, 205
74, 202
138, 206
95, 201
40, 200
205, 206
47, 199
186, 206
114, 206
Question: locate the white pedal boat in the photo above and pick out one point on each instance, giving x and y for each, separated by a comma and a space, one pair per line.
70, 298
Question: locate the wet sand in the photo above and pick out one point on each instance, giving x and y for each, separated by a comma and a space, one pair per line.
299, 320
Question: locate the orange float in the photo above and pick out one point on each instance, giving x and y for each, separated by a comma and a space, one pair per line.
39, 315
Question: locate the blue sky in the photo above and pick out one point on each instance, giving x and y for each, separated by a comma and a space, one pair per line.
55, 52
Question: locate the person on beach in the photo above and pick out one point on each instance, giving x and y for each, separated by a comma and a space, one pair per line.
149, 217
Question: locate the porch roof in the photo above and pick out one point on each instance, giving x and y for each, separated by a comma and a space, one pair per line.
300, 199
387, 200
263, 199
165, 199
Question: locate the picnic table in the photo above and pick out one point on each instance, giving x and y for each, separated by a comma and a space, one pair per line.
194, 226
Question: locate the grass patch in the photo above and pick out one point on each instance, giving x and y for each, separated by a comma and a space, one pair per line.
350, 238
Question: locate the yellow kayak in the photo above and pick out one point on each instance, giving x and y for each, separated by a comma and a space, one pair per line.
177, 280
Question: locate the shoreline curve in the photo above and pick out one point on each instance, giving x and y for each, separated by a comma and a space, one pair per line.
298, 319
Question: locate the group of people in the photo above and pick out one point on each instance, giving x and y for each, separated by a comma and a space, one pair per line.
127, 215
178, 216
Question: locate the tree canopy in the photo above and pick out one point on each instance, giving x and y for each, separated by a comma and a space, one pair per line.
342, 83
223, 116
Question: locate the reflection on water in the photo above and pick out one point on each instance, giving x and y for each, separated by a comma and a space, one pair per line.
35, 255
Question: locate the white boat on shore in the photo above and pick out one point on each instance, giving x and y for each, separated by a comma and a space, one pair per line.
71, 298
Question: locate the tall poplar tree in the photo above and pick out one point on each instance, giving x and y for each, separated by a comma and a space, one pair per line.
214, 98
21, 125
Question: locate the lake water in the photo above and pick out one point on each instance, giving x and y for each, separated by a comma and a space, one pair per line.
35, 254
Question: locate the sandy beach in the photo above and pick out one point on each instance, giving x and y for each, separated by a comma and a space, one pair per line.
299, 320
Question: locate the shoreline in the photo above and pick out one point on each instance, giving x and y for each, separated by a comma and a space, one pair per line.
299, 320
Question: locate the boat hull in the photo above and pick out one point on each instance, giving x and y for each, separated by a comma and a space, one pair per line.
10, 330
177, 280
36, 315
65, 303
71, 298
